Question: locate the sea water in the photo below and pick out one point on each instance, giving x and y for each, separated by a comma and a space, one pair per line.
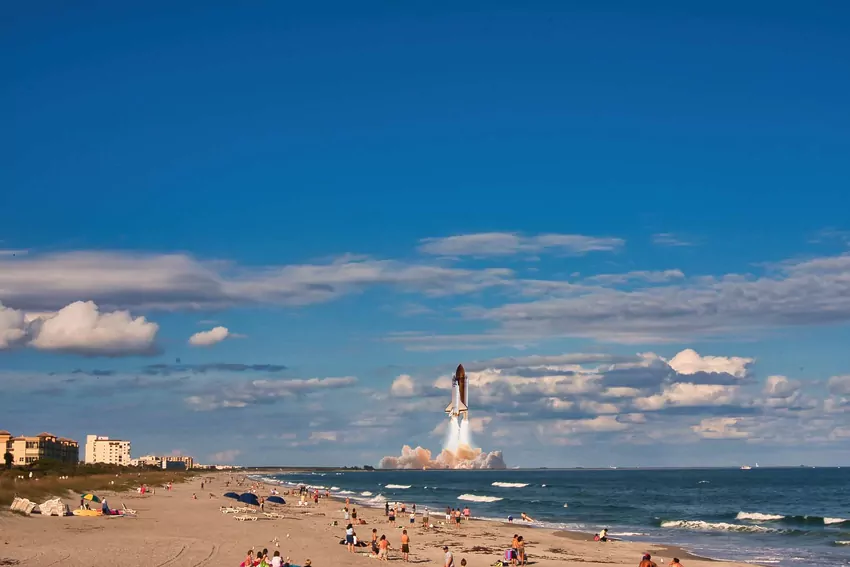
790, 516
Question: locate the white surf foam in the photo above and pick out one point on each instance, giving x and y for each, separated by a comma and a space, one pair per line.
367, 493
841, 542
699, 525
398, 486
829, 521
510, 484
346, 492
758, 517
478, 498
334, 488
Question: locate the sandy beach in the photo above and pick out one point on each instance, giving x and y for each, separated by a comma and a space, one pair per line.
172, 528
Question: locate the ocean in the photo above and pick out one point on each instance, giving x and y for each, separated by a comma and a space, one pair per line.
767, 516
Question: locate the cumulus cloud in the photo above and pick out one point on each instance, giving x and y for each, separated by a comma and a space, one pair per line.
465, 458
840, 385
719, 428
689, 362
79, 328
403, 386
211, 337
511, 243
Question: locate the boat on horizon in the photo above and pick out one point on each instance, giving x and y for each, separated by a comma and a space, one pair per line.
746, 467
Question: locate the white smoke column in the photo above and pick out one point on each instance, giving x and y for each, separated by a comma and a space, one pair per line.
463, 433
453, 436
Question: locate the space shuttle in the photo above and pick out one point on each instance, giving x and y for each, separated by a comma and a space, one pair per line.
458, 406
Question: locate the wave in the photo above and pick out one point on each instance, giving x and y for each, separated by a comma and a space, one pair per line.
346, 492
334, 488
478, 498
758, 517
367, 493
699, 525
792, 520
510, 484
398, 486
841, 542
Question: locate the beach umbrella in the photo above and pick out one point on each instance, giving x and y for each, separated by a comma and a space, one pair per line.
276, 500
91, 497
249, 498
231, 495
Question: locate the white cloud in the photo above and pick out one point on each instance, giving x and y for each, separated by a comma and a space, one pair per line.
258, 392
323, 436
720, 428
178, 281
602, 423
78, 328
780, 387
211, 337
683, 394
403, 386
669, 239
638, 275
225, 457
689, 361
840, 385
511, 243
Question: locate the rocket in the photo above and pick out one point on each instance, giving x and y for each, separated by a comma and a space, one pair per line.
458, 407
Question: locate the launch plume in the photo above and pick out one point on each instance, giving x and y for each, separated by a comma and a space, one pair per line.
465, 457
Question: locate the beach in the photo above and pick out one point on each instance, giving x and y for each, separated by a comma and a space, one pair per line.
172, 528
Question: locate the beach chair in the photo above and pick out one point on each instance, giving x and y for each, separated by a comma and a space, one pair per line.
244, 518
128, 511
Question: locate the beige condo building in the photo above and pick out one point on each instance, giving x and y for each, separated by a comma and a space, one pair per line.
27, 450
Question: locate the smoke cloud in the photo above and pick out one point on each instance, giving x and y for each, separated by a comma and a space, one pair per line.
464, 457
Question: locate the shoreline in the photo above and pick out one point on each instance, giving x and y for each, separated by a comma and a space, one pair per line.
655, 548
185, 526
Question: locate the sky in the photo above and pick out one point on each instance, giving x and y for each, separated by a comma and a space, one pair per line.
266, 234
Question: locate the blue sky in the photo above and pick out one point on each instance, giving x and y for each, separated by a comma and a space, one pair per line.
363, 192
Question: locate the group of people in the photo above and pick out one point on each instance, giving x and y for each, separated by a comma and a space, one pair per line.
262, 559
646, 561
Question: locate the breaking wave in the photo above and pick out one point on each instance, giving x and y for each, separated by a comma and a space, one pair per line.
699, 525
510, 484
758, 517
478, 498
367, 493
398, 486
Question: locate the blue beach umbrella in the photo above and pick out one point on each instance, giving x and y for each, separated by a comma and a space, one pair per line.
231, 495
276, 500
249, 498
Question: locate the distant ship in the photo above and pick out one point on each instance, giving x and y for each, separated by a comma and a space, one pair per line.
746, 467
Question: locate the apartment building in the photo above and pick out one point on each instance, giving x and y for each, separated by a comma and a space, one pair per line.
101, 449
27, 450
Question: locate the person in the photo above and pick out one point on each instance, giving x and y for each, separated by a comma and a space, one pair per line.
466, 513
520, 551
392, 516
646, 561
347, 514
675, 562
450, 559
375, 542
353, 514
276, 560
426, 518
384, 548
262, 504
405, 545
463, 562
457, 517
249, 560
349, 537
514, 547
603, 535
510, 519
412, 519
386, 508
414, 507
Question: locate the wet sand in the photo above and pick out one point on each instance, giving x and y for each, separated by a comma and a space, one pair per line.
173, 529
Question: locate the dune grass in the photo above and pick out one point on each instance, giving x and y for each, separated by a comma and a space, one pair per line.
42, 487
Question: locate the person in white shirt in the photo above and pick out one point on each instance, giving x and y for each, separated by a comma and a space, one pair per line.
276, 560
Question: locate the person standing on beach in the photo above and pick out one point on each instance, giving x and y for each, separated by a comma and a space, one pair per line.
349, 537
405, 546
450, 559
353, 514
520, 549
384, 548
426, 518
386, 508
514, 546
375, 542
392, 516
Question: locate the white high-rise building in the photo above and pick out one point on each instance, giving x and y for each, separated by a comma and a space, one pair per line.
105, 450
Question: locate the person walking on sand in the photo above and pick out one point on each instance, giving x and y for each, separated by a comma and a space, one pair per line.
405, 546
450, 559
